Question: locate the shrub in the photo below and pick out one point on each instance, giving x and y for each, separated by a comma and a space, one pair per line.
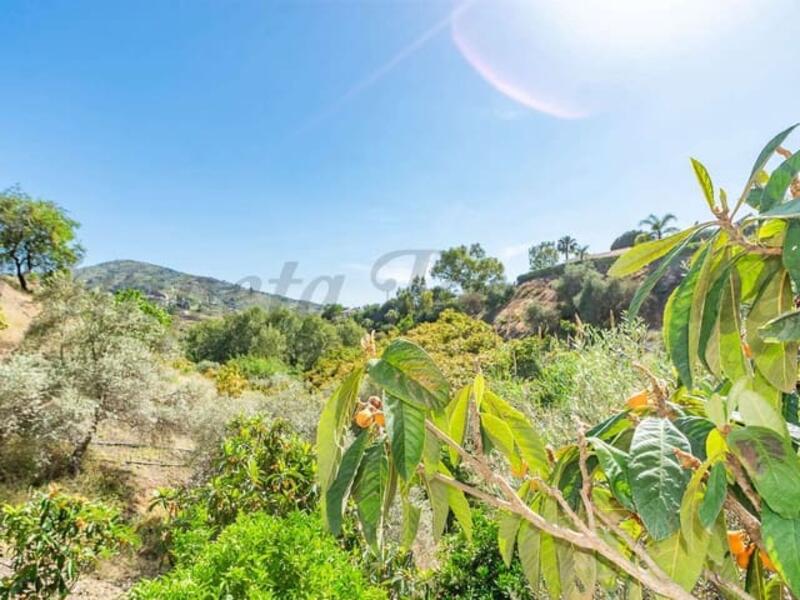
256, 368
626, 240
542, 318
459, 343
229, 381
263, 556
249, 332
146, 306
473, 569
596, 299
53, 538
527, 355
258, 466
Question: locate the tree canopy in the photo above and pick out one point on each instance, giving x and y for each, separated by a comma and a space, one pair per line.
36, 236
469, 268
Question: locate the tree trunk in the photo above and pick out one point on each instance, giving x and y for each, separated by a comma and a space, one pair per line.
21, 277
76, 458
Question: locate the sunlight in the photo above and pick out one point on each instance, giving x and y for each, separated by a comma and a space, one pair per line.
569, 59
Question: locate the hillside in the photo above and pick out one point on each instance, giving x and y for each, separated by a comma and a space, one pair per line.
188, 295
18, 309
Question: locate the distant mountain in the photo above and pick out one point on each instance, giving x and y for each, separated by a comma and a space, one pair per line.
188, 295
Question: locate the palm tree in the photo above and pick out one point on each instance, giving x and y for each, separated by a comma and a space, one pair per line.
567, 245
660, 226
582, 252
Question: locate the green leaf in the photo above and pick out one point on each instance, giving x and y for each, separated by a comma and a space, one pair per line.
696, 430
529, 542
773, 466
785, 328
642, 255
501, 436
710, 317
614, 463
460, 507
458, 420
769, 150
779, 181
508, 526
787, 210
405, 424
531, 446
440, 506
431, 453
407, 372
548, 553
782, 539
791, 251
682, 563
693, 531
368, 492
732, 359
411, 515
336, 495
657, 478
755, 409
777, 361
643, 291
704, 179
716, 490
678, 320
332, 427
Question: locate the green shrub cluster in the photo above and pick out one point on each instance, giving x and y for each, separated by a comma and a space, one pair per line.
52, 538
267, 557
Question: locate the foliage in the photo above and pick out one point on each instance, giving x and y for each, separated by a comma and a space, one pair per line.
412, 305
258, 368
54, 537
258, 466
146, 306
459, 344
468, 268
659, 226
298, 340
542, 255
543, 318
646, 485
230, 381
567, 246
626, 240
595, 299
35, 236
246, 333
263, 556
473, 569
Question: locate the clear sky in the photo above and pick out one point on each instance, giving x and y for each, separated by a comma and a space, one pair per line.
227, 138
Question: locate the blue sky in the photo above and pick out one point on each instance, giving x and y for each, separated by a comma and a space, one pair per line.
227, 138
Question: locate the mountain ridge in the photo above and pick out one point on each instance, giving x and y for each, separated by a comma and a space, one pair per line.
182, 292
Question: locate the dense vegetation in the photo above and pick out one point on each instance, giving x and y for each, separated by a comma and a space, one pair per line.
585, 460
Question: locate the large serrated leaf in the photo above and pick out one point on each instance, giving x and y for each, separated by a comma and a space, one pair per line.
337, 493
440, 506
772, 465
678, 322
332, 426
642, 255
682, 563
369, 490
716, 490
508, 525
406, 371
657, 479
782, 539
405, 424
529, 544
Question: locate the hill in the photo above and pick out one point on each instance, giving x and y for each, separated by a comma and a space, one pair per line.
18, 310
187, 295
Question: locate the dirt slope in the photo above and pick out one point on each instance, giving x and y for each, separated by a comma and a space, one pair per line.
18, 309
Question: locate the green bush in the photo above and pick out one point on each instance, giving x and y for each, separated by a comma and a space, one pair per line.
258, 367
52, 538
247, 333
527, 356
258, 467
474, 570
596, 299
266, 557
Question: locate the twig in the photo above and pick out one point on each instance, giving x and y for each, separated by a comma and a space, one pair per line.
586, 484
